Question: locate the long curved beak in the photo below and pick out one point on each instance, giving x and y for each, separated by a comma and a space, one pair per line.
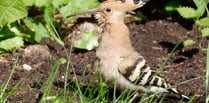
91, 11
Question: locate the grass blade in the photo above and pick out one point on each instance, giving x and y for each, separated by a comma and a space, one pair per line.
4, 86
50, 80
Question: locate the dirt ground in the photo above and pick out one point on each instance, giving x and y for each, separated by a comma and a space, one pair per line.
154, 39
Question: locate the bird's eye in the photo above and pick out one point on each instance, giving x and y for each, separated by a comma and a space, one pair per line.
123, 1
108, 10
136, 1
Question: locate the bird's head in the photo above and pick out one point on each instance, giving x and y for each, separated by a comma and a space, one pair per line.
132, 4
113, 10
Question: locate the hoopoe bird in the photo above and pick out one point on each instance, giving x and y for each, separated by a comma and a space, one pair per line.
119, 61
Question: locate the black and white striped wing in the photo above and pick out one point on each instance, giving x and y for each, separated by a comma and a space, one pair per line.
141, 74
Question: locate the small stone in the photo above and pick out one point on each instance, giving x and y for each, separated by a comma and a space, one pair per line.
27, 67
63, 77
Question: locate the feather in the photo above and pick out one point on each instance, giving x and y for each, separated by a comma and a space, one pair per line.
119, 62
141, 74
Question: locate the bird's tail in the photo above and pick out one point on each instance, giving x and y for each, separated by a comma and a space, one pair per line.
141, 74
177, 92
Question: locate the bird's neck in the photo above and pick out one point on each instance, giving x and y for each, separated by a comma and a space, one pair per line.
115, 40
118, 34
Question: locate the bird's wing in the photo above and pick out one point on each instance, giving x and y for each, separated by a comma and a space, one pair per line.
139, 73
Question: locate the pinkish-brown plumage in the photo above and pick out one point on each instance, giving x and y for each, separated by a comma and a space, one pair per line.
119, 61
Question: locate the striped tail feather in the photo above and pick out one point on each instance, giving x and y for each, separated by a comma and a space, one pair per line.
141, 74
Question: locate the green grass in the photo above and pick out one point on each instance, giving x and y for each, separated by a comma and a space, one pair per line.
76, 91
5, 90
50, 80
3, 95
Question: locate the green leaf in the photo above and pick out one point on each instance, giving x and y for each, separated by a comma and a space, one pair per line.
41, 3
30, 23
16, 31
6, 33
172, 6
62, 60
203, 22
199, 3
200, 11
75, 6
28, 2
11, 10
88, 41
188, 42
187, 12
205, 32
11, 44
49, 12
40, 31
58, 3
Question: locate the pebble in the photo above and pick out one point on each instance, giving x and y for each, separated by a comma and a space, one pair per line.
27, 67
